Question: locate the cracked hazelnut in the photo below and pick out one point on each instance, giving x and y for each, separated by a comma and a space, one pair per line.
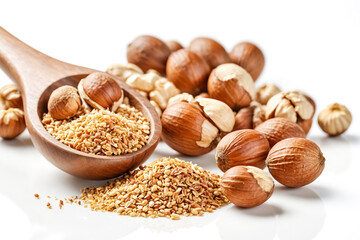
209, 49
295, 162
123, 71
231, 84
182, 97
12, 123
148, 52
64, 102
247, 186
101, 91
250, 117
265, 92
248, 56
174, 45
335, 119
10, 96
292, 105
188, 71
277, 129
243, 147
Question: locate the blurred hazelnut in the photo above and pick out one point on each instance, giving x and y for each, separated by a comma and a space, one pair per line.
182, 97
248, 56
64, 102
10, 96
265, 92
123, 71
209, 49
335, 119
148, 52
231, 84
188, 71
12, 123
174, 45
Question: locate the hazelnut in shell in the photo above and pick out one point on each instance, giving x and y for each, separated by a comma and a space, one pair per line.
243, 147
188, 71
265, 92
148, 52
101, 91
335, 119
250, 117
64, 102
186, 129
10, 96
231, 84
248, 56
247, 186
295, 162
174, 45
12, 123
209, 49
277, 129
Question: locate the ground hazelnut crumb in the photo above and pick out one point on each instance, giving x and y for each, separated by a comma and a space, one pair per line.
48, 205
164, 188
36, 195
101, 131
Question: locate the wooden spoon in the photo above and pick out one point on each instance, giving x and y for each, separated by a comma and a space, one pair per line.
37, 75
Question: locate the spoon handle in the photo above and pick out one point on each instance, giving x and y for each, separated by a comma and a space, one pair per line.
30, 69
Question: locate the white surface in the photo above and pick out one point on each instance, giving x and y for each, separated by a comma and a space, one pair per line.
311, 46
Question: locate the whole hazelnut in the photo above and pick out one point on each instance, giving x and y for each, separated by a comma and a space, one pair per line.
64, 102
277, 129
101, 91
295, 162
209, 49
174, 45
250, 117
148, 52
123, 71
292, 105
231, 84
12, 123
248, 56
335, 119
243, 147
265, 92
186, 129
188, 71
247, 186
10, 96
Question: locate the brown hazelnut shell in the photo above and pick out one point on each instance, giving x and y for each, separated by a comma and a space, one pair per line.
245, 147
244, 119
12, 123
188, 71
11, 96
246, 189
248, 56
209, 49
277, 129
295, 162
182, 128
148, 52
174, 45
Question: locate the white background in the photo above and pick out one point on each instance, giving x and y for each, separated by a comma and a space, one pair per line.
312, 46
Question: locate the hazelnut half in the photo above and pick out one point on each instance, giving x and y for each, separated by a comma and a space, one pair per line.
186, 129
248, 56
148, 52
335, 119
188, 71
64, 102
243, 147
209, 49
10, 96
174, 45
277, 129
101, 91
247, 186
295, 162
265, 92
12, 123
231, 84
123, 71
292, 105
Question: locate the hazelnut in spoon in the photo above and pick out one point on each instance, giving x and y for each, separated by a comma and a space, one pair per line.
37, 76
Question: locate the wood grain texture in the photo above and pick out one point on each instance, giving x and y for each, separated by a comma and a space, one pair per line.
37, 75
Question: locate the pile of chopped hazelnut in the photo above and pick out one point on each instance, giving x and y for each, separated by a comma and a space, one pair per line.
164, 188
102, 131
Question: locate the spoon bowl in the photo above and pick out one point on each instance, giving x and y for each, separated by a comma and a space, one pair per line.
37, 76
